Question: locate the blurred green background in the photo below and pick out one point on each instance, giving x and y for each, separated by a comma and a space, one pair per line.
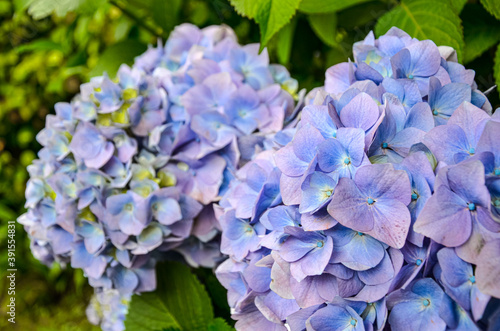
49, 47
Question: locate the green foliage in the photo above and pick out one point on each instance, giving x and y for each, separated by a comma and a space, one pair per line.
181, 303
247, 8
327, 6
285, 42
165, 13
273, 15
42, 8
493, 6
458, 5
148, 312
219, 324
481, 31
426, 19
325, 27
40, 45
496, 68
113, 56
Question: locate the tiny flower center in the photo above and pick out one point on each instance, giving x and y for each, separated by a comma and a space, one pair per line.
472, 206
418, 262
155, 206
320, 244
119, 140
426, 302
414, 196
248, 229
329, 193
334, 135
385, 145
347, 161
472, 279
370, 201
217, 125
242, 113
360, 234
472, 151
128, 207
353, 322
410, 76
435, 112
497, 172
497, 203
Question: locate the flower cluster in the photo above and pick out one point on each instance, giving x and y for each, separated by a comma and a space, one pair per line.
130, 168
108, 308
381, 209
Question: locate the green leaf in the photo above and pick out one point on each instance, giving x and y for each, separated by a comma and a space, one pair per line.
43, 8
360, 15
21, 5
77, 59
481, 31
327, 6
493, 6
458, 5
184, 296
40, 45
219, 324
217, 292
496, 68
247, 8
165, 13
147, 312
180, 302
325, 27
285, 42
426, 19
6, 213
113, 56
272, 15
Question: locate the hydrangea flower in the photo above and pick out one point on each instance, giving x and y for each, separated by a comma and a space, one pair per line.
379, 209
130, 168
108, 308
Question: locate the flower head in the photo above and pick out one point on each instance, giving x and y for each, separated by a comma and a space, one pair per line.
379, 209
131, 167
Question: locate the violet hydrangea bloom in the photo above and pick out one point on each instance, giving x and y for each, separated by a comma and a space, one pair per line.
341, 225
130, 168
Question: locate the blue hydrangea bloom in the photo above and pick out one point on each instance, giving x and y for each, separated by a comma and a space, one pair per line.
131, 167
378, 209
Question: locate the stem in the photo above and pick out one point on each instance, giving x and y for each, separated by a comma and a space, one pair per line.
154, 30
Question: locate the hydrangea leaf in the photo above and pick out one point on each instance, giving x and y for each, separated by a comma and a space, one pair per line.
326, 6
247, 8
458, 5
148, 312
184, 296
481, 31
165, 13
219, 324
493, 6
115, 55
325, 27
285, 41
181, 303
426, 19
496, 67
272, 15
